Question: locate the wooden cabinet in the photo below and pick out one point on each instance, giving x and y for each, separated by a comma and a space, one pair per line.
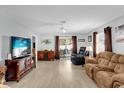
17, 68
46, 55
51, 55
40, 55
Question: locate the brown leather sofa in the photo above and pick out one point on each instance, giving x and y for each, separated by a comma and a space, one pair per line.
102, 59
107, 69
2, 74
103, 76
110, 67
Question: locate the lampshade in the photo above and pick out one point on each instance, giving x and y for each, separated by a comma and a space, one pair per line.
89, 48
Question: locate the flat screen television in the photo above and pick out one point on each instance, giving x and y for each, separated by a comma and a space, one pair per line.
20, 47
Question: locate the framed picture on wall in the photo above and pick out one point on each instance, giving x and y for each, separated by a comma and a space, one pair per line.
81, 40
119, 32
89, 38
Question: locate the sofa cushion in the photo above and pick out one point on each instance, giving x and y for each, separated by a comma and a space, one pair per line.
103, 78
112, 65
103, 62
119, 68
106, 55
115, 58
90, 60
89, 69
97, 56
121, 86
121, 59
118, 78
117, 85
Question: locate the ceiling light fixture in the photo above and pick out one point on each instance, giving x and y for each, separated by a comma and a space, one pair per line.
64, 31
62, 26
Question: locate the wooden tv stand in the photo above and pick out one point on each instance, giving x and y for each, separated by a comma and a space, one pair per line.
17, 68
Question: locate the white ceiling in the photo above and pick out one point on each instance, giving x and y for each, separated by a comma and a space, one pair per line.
45, 19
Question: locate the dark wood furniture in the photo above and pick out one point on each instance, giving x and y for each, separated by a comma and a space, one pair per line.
46, 55
17, 68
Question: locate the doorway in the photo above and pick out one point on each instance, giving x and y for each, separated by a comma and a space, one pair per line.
34, 49
65, 46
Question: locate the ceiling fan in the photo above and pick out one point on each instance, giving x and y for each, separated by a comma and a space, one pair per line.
62, 26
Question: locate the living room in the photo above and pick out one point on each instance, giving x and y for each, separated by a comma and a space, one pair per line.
43, 45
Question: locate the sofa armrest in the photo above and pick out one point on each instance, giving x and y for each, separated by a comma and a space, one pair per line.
118, 78
121, 86
3, 69
104, 68
2, 74
90, 60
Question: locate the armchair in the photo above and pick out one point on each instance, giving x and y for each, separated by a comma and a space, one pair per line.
78, 59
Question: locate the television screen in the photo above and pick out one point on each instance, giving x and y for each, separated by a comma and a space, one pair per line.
20, 47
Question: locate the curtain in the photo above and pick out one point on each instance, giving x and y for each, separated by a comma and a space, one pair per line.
108, 40
74, 44
57, 47
94, 44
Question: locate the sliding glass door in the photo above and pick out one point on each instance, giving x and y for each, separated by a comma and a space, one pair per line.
65, 46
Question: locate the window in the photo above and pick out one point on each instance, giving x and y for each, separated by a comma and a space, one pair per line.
100, 45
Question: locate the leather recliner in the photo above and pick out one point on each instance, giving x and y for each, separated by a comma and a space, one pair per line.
78, 59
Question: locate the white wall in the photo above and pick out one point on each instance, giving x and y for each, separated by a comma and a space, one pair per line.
10, 28
81, 44
86, 43
0, 47
51, 37
5, 42
50, 46
5, 46
117, 47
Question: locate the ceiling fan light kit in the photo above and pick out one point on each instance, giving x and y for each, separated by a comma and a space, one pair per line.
62, 26
64, 31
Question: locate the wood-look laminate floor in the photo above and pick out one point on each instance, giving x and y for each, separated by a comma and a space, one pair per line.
55, 74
